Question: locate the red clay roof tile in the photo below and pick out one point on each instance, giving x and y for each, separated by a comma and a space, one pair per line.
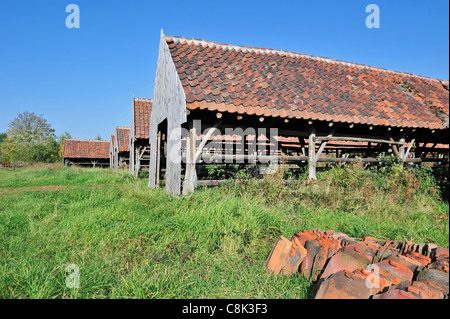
123, 138
86, 149
142, 113
287, 84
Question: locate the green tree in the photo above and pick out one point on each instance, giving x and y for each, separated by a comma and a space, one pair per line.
30, 139
61, 141
28, 127
8, 149
44, 151
2, 137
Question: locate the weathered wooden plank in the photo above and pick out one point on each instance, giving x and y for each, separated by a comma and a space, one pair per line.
142, 153
250, 158
401, 151
405, 156
190, 178
312, 161
356, 139
323, 145
393, 146
137, 164
169, 102
158, 159
292, 159
132, 130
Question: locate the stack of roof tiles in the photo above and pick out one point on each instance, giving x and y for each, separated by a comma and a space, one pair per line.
275, 83
5, 165
142, 113
344, 268
86, 149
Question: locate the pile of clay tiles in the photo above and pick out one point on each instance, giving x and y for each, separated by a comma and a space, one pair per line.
344, 268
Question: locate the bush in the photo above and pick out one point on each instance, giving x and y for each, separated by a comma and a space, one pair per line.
349, 186
44, 152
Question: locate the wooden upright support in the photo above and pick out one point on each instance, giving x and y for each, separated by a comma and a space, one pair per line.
323, 145
137, 165
190, 177
405, 156
132, 159
312, 160
302, 145
158, 159
393, 146
401, 151
116, 159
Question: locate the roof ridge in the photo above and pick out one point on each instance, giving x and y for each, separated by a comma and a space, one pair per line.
123, 127
142, 99
178, 39
82, 140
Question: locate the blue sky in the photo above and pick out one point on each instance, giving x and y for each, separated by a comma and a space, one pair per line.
83, 80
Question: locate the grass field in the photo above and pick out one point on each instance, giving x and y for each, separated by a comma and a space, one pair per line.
133, 242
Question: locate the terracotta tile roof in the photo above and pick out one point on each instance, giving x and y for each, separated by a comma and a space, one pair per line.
265, 82
142, 113
86, 149
123, 138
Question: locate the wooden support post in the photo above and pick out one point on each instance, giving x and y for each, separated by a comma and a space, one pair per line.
302, 145
312, 154
158, 159
394, 146
137, 165
190, 177
131, 160
323, 145
344, 156
356, 139
405, 156
252, 158
244, 144
401, 152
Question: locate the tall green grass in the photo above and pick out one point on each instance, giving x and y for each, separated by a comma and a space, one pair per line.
133, 242
52, 174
